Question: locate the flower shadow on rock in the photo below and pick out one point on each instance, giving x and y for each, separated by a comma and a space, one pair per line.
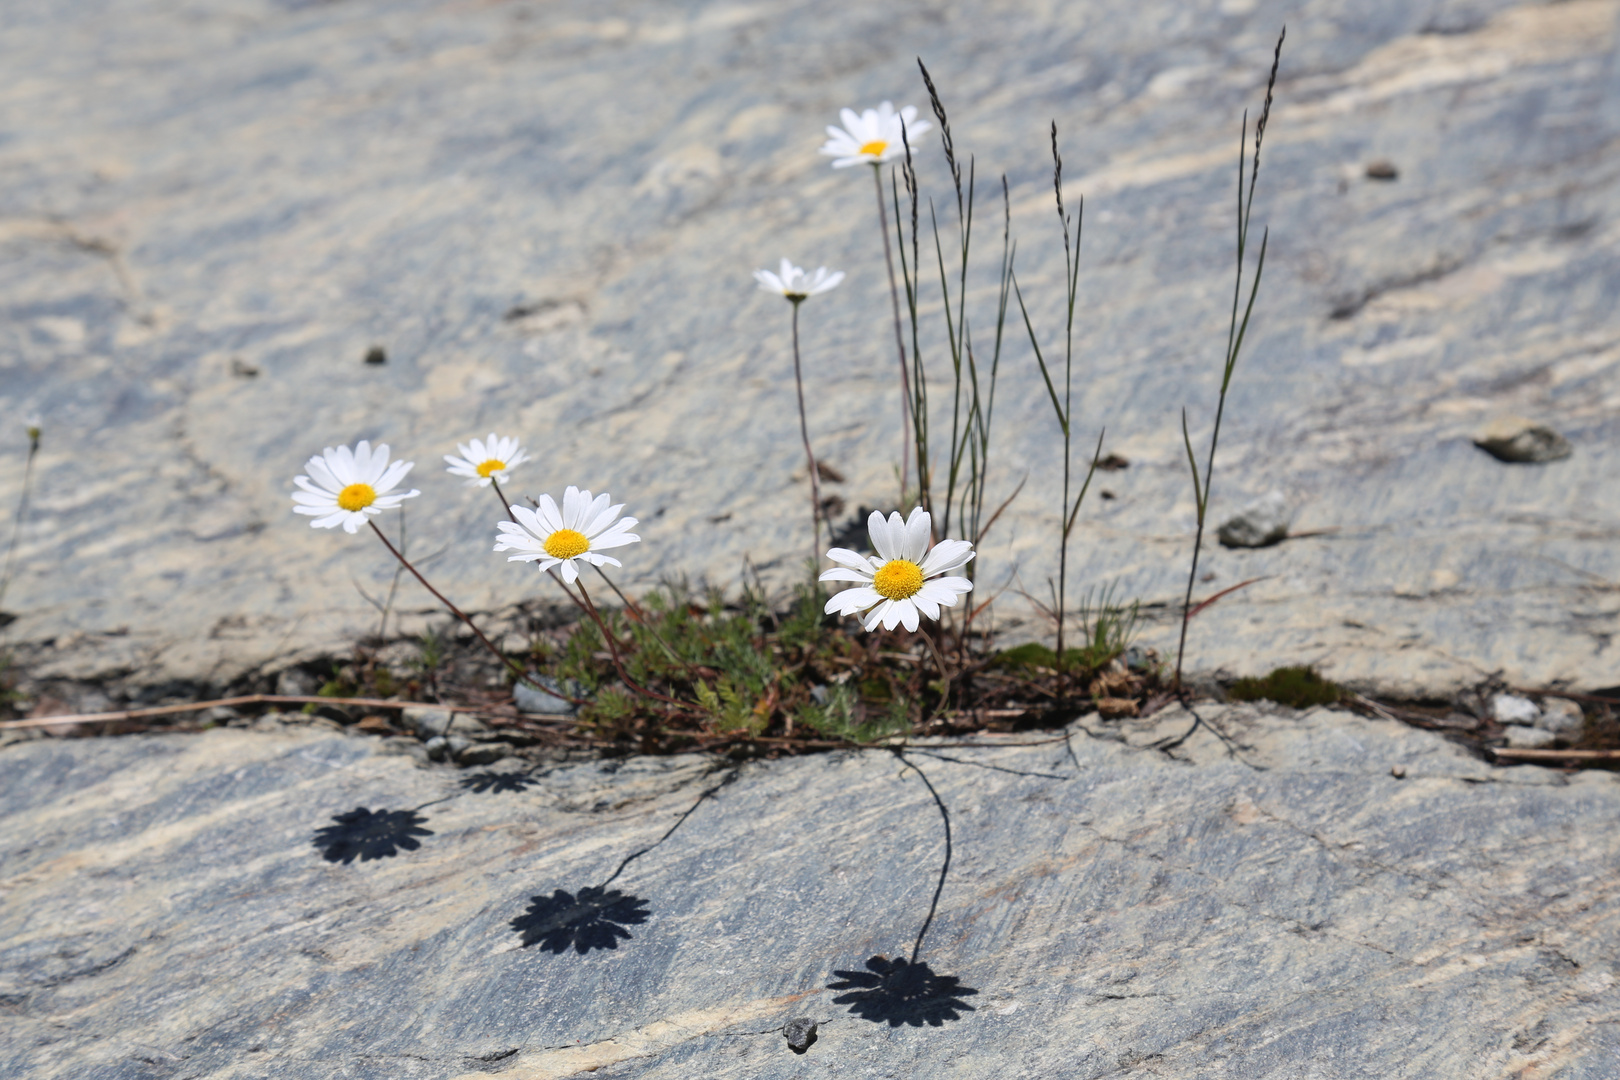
496, 782
595, 919
899, 992
370, 834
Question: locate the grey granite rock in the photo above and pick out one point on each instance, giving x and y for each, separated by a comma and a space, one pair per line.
547, 213
312, 904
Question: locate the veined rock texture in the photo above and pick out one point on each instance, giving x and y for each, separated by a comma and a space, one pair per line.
547, 214
218, 906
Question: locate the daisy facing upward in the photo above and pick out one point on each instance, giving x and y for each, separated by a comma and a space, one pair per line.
346, 487
906, 579
580, 530
486, 462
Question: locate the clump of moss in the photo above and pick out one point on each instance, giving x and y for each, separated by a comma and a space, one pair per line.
1298, 687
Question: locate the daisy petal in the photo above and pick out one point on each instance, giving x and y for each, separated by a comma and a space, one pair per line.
947, 555
917, 532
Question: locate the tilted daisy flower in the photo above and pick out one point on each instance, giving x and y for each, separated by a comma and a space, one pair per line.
795, 284
345, 486
904, 579
581, 530
873, 137
485, 462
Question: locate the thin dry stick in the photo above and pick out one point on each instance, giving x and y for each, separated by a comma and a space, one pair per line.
804, 426
899, 336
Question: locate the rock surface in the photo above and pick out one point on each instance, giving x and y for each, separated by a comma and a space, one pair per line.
546, 214
303, 904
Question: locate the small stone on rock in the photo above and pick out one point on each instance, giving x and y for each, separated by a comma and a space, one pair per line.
1512, 709
437, 747
1528, 738
425, 722
296, 683
483, 753
544, 697
1259, 524
1398, 771
1382, 169
800, 1034
1562, 717
1520, 441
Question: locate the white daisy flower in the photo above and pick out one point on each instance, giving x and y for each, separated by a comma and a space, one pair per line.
795, 284
581, 530
485, 462
903, 579
346, 486
874, 136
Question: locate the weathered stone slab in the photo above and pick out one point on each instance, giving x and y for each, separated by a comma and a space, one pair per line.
1290, 911
547, 215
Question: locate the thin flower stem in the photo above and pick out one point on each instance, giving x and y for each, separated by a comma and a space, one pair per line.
630, 605
613, 649
804, 433
22, 511
457, 612
499, 494
944, 673
899, 336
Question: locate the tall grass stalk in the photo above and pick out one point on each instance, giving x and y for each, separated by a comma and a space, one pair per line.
960, 507
1235, 331
899, 334
1073, 229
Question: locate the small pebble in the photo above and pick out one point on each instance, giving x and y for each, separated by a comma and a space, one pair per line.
1519, 441
1528, 738
1382, 169
1259, 524
376, 355
1562, 717
1398, 771
1512, 709
800, 1034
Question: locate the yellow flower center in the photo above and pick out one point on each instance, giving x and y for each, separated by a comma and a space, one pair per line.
899, 579
493, 465
566, 543
875, 148
356, 497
